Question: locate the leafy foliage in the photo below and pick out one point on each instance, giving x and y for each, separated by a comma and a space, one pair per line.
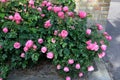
31, 30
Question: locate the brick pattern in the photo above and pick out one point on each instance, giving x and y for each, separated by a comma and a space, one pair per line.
97, 8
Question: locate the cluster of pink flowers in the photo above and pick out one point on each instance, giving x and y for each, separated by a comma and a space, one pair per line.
17, 18
107, 36
99, 27
47, 24
92, 46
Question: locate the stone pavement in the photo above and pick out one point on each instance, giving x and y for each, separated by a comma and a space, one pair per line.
113, 52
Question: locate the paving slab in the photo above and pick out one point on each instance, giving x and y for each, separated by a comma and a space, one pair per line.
113, 28
101, 74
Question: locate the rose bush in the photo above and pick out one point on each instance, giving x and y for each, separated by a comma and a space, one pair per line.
31, 30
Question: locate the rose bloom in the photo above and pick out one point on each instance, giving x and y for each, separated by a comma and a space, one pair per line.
66, 69
17, 45
65, 8
103, 47
61, 15
70, 14
82, 14
99, 27
25, 49
53, 40
90, 68
5, 30
50, 55
88, 31
34, 47
1, 78
58, 66
29, 43
40, 40
57, 9
70, 61
10, 17
22, 55
64, 34
77, 66
49, 8
17, 17
68, 78
101, 55
80, 74
44, 49
47, 24
55, 32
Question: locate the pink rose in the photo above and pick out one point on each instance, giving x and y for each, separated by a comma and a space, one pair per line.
70, 14
77, 66
82, 14
88, 42
109, 38
5, 29
61, 15
50, 55
58, 66
68, 78
64, 34
65, 8
25, 49
3, 1
93, 46
40, 40
103, 47
44, 49
80, 74
17, 22
34, 47
88, 31
42, 15
47, 24
48, 4
31, 3
101, 55
17, 17
29, 44
70, 61
90, 68
99, 27
57, 9
66, 69
39, 9
53, 40
55, 32
101, 42
1, 78
22, 55
11, 17
17, 45
49, 8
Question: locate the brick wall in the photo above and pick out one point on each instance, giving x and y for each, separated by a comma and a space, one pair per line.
97, 8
